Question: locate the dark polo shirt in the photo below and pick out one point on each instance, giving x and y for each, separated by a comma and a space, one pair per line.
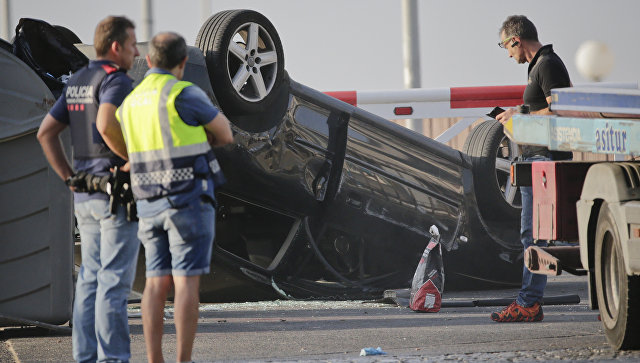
546, 71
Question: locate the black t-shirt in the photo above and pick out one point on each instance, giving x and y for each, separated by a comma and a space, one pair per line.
546, 71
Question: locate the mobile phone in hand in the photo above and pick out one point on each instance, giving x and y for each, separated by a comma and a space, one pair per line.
495, 112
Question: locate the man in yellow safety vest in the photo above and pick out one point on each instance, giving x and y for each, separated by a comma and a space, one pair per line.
166, 123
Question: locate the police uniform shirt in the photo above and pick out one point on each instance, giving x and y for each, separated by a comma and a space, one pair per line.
114, 89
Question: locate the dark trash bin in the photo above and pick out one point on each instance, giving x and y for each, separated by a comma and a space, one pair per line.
36, 215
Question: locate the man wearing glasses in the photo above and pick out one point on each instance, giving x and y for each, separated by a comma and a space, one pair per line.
546, 70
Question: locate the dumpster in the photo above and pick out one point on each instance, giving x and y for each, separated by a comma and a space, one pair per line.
36, 213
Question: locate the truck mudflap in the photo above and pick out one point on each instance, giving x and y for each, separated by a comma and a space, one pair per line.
554, 260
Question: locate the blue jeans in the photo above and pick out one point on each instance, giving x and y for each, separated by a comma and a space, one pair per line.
109, 254
533, 285
179, 241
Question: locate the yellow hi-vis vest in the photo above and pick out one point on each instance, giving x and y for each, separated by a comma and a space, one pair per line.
162, 148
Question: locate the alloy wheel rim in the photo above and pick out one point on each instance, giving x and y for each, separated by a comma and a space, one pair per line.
252, 62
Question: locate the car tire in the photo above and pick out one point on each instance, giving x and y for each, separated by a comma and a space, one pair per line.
491, 155
245, 60
618, 294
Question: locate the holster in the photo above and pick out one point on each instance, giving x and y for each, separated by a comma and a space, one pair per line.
120, 193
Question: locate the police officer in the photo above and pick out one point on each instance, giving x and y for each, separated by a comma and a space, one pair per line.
108, 241
168, 126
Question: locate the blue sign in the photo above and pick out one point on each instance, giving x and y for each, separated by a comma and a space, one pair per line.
597, 135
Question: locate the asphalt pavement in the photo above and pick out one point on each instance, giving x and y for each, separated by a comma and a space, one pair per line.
337, 331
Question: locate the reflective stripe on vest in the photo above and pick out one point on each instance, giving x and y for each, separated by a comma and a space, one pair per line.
162, 148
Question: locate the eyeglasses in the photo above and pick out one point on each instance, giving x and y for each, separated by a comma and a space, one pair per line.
503, 44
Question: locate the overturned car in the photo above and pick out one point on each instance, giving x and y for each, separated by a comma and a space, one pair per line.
325, 200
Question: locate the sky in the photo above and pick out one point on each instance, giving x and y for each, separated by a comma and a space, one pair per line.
333, 45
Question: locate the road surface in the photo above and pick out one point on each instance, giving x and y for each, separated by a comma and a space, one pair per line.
337, 331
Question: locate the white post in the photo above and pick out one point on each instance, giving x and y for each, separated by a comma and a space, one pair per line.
147, 20
411, 52
5, 32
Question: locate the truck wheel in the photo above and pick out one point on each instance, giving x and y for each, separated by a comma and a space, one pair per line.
491, 156
618, 293
245, 60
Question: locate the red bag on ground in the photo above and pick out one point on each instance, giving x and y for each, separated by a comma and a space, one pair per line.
428, 280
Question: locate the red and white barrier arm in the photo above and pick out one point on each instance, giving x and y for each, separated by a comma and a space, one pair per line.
421, 103
432, 103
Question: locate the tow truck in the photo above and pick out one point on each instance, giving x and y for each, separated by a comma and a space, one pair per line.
596, 204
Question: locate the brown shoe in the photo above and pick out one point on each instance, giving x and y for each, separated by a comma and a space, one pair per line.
516, 313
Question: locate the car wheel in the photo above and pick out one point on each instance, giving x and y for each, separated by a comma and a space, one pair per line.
491, 156
618, 294
245, 60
